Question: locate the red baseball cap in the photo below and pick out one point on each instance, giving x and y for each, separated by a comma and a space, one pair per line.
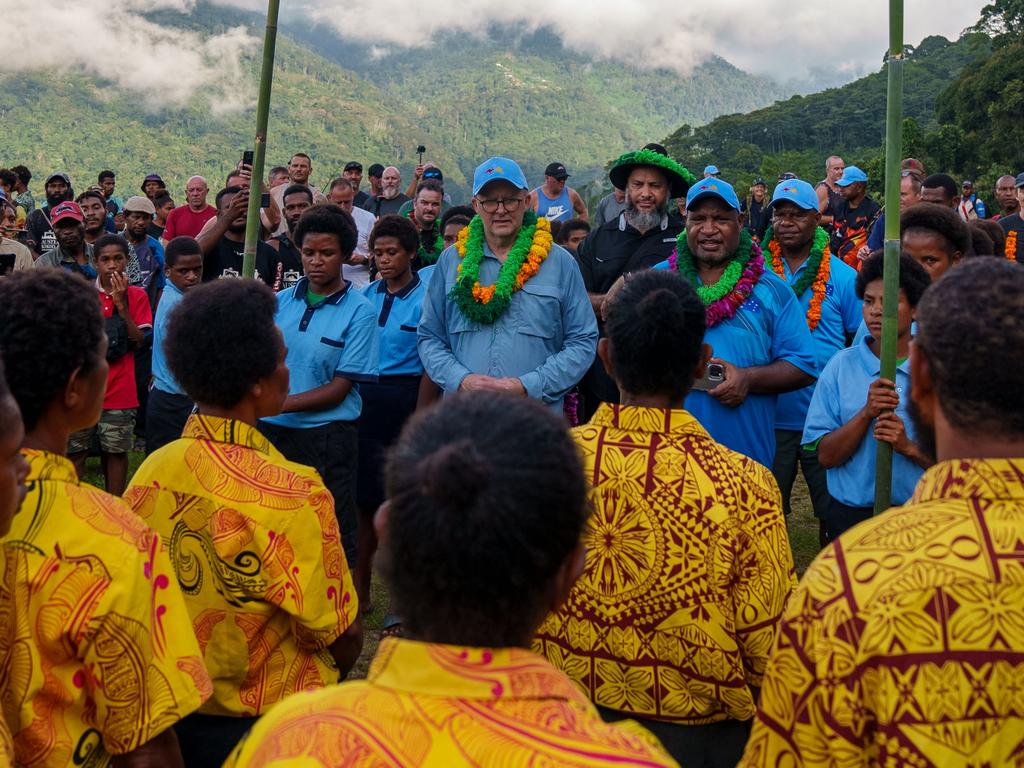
67, 210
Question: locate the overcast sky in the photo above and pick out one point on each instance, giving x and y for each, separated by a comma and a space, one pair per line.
780, 38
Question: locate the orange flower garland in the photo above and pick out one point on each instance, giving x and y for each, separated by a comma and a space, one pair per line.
1011, 245
820, 282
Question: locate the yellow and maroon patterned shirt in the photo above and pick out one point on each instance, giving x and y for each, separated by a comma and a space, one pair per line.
437, 706
255, 544
688, 570
904, 643
97, 654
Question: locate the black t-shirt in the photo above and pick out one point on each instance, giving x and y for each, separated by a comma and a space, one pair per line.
361, 199
286, 264
155, 230
39, 230
758, 217
609, 251
226, 261
378, 206
1015, 223
850, 228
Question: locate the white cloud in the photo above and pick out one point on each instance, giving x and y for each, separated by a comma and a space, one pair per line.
111, 40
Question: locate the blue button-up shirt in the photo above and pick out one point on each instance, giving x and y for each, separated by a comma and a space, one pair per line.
841, 392
547, 337
398, 317
768, 327
163, 379
337, 337
841, 314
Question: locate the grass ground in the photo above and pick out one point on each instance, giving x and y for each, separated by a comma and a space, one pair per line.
803, 538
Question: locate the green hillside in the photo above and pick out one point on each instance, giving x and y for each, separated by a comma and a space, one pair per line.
534, 101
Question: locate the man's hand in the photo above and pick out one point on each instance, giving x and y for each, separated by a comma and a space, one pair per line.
734, 390
418, 173
863, 253
239, 205
478, 383
882, 397
889, 428
119, 290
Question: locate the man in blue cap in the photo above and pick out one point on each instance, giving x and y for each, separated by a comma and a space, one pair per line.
853, 216
796, 247
761, 342
711, 172
490, 322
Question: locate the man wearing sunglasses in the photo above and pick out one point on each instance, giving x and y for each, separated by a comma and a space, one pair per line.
543, 341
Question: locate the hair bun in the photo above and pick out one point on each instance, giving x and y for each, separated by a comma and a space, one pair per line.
454, 475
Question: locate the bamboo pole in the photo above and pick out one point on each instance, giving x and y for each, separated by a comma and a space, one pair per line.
252, 222
891, 275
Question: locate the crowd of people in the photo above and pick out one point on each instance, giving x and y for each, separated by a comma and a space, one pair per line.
570, 442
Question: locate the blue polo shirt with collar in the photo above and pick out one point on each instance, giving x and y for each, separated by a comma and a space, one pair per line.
398, 318
841, 392
163, 379
546, 338
336, 337
841, 314
769, 326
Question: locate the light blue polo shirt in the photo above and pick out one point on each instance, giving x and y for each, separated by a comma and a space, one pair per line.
841, 392
840, 314
546, 338
398, 317
769, 326
163, 379
337, 337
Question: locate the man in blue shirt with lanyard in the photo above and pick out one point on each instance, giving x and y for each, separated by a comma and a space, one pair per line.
763, 346
797, 250
520, 321
168, 407
330, 331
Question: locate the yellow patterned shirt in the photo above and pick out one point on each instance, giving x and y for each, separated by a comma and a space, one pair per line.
256, 548
97, 654
904, 643
440, 706
688, 569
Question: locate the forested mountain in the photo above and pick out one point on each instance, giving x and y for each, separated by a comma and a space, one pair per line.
531, 99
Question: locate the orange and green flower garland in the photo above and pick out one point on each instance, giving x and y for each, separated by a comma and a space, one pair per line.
1011, 245
485, 304
815, 274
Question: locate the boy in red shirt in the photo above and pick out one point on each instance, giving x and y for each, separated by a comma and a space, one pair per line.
128, 319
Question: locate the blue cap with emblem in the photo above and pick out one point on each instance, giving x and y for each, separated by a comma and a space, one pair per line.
795, 191
498, 169
712, 187
851, 175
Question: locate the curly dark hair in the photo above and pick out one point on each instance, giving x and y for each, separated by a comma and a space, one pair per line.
943, 221
981, 305
464, 211
656, 328
480, 520
994, 232
399, 228
182, 245
221, 340
914, 280
328, 219
53, 326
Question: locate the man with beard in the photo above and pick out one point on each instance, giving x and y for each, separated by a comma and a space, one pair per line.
641, 236
902, 644
300, 167
501, 315
71, 252
391, 198
41, 236
426, 209
223, 243
188, 220
353, 174
286, 268
1006, 197
94, 209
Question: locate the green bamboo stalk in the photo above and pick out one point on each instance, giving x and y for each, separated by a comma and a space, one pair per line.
891, 274
252, 223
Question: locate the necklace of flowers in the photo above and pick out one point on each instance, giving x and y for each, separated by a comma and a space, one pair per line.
485, 304
1011, 245
426, 258
723, 298
815, 274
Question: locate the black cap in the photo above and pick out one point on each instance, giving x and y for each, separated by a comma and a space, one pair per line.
557, 170
353, 165
376, 170
433, 173
655, 147
759, 182
1020, 181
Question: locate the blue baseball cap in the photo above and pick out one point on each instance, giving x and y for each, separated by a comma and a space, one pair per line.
498, 168
713, 187
795, 191
713, 169
851, 175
